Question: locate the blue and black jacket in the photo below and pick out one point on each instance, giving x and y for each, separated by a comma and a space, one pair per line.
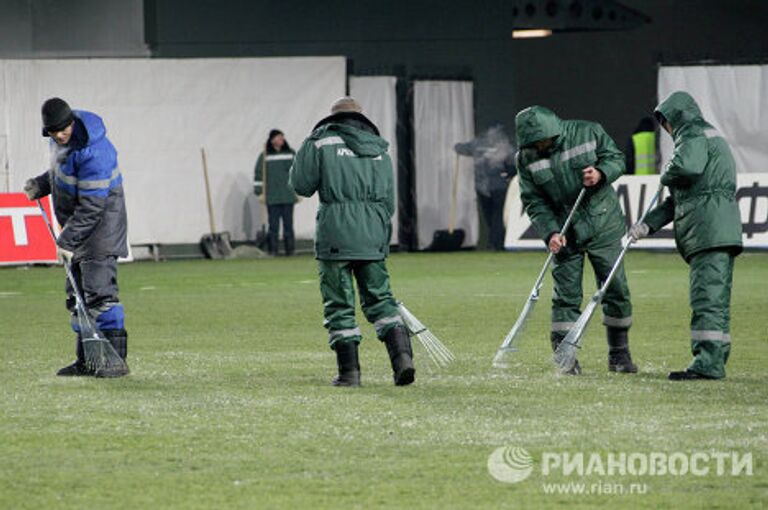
87, 190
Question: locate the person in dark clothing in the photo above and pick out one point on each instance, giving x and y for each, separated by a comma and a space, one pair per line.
89, 204
272, 187
494, 159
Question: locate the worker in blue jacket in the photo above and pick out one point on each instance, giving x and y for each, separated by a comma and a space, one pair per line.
89, 204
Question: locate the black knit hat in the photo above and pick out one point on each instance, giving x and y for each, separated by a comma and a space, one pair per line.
57, 115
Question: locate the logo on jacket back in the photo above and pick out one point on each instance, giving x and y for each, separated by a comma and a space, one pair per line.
346, 152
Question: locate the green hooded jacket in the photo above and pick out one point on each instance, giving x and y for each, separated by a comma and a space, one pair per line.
346, 163
550, 184
701, 177
277, 166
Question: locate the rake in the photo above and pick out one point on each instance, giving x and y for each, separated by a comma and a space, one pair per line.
512, 340
565, 354
100, 357
438, 353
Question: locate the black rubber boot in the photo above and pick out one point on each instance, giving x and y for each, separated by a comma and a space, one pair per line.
77, 368
118, 338
348, 363
687, 375
555, 337
619, 358
290, 245
401, 355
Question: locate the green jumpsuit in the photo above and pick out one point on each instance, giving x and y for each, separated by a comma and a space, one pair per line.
346, 163
701, 177
549, 186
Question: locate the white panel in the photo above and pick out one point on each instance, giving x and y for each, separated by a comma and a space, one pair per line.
160, 112
732, 98
378, 97
443, 116
635, 193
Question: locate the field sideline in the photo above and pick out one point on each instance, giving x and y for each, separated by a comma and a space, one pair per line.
228, 404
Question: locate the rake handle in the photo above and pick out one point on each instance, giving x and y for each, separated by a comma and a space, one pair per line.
563, 230
208, 191
79, 303
534, 295
600, 293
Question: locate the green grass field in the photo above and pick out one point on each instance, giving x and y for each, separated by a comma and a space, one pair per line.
228, 404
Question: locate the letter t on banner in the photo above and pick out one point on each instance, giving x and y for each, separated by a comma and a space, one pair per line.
24, 238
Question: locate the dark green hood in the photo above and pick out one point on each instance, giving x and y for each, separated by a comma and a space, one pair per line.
359, 133
536, 123
362, 143
681, 110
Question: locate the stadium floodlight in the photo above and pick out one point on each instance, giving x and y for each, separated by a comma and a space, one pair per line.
531, 33
512, 340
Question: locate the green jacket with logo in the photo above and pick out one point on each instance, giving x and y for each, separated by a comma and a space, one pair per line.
701, 177
346, 163
550, 184
278, 165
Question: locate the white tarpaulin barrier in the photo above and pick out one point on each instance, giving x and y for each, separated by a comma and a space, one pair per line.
443, 115
732, 98
378, 97
159, 113
635, 192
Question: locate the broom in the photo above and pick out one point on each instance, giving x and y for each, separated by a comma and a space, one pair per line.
100, 357
440, 355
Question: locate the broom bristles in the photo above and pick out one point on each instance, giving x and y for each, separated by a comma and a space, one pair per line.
438, 353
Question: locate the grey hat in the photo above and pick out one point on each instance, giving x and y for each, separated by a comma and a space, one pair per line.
346, 104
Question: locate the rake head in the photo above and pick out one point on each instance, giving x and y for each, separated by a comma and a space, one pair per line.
512, 340
565, 356
566, 352
437, 352
102, 359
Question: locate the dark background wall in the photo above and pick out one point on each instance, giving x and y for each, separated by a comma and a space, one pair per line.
83, 28
605, 76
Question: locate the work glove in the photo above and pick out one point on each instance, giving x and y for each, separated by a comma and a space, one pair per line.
65, 254
638, 231
32, 189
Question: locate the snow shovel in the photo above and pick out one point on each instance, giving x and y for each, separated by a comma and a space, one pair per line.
453, 238
215, 245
